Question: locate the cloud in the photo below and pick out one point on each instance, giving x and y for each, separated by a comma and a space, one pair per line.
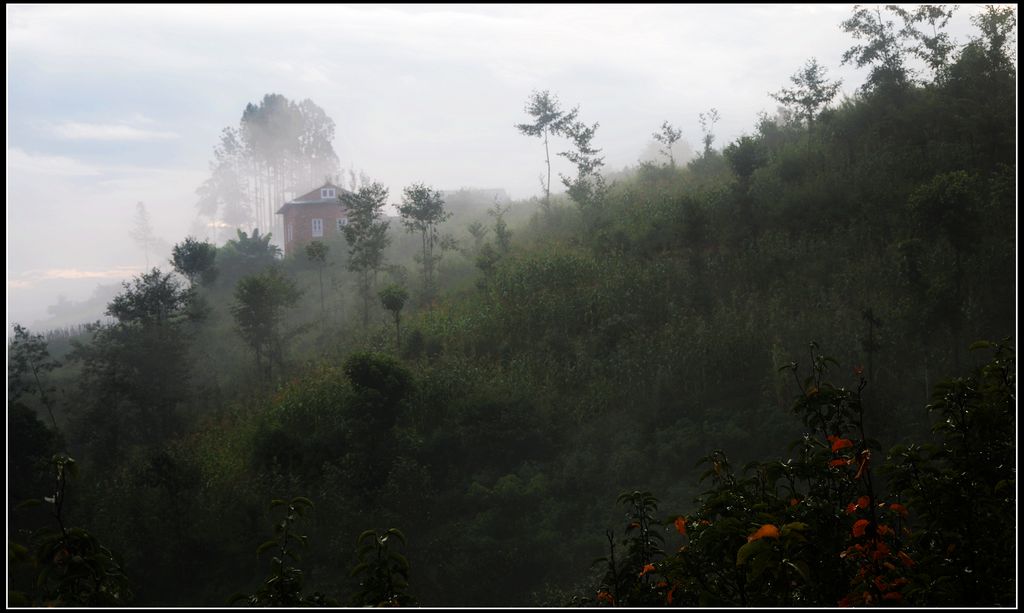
50, 165
73, 130
31, 278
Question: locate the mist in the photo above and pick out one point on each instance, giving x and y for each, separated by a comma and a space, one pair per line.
416, 93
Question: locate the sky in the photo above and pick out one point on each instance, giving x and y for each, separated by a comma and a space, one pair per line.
112, 105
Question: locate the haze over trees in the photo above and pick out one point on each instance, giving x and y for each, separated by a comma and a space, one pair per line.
776, 375
279, 150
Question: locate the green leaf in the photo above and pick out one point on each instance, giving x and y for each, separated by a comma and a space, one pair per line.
796, 526
366, 534
750, 549
397, 534
980, 345
237, 596
265, 546
400, 559
31, 502
302, 501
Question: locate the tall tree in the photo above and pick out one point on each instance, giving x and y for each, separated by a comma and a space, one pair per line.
28, 362
393, 298
548, 119
883, 48
280, 147
707, 127
668, 136
587, 187
423, 211
194, 260
225, 199
152, 298
811, 91
142, 232
934, 47
367, 238
259, 308
135, 372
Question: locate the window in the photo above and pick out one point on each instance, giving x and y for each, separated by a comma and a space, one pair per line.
291, 232
327, 192
342, 223
318, 227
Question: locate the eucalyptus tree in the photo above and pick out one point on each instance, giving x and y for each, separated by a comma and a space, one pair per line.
367, 236
259, 312
668, 136
811, 91
548, 119
423, 211
279, 147
587, 187
707, 127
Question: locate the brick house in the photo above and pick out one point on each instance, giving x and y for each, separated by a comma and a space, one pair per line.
316, 216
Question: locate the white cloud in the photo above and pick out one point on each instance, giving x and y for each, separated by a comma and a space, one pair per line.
31, 277
50, 165
73, 130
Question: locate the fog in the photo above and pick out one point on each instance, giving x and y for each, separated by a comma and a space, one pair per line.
112, 106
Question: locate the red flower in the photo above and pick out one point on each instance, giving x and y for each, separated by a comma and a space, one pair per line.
841, 443
859, 527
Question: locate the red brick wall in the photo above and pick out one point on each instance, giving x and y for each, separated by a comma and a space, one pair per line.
301, 216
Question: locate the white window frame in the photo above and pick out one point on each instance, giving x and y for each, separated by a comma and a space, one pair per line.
318, 228
291, 232
328, 192
342, 223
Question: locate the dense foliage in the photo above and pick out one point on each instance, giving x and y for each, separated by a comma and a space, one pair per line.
642, 339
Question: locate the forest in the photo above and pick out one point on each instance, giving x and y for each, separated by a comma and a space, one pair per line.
780, 373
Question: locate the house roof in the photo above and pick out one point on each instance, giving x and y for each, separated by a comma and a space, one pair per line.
313, 197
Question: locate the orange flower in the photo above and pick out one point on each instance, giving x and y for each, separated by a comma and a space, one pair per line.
649, 568
902, 510
668, 597
884, 530
681, 525
605, 597
859, 527
850, 508
836, 463
907, 560
841, 443
765, 531
863, 502
894, 596
793, 502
